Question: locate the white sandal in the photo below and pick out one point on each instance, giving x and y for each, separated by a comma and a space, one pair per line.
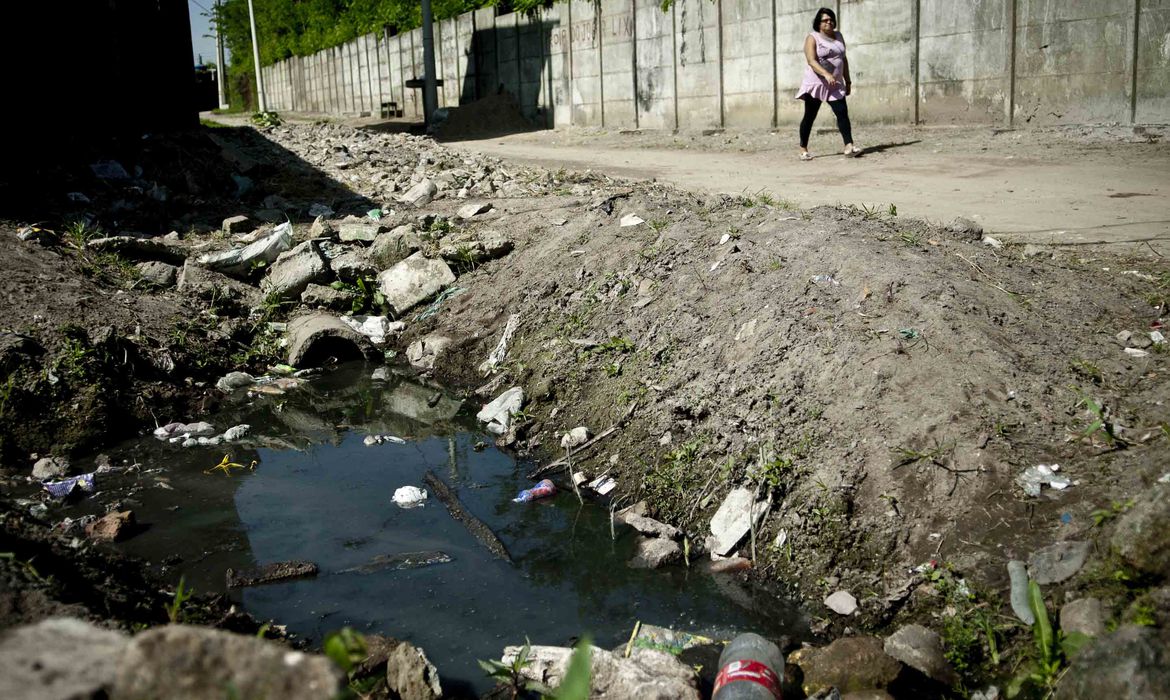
853, 152
806, 156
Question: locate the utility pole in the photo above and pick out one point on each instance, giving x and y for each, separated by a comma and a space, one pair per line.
430, 91
220, 66
263, 104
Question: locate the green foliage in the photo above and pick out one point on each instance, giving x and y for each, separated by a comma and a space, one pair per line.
175, 610
575, 685
266, 119
1104, 515
348, 650
511, 676
1100, 424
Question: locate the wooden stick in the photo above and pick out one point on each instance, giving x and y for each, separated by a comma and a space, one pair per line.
561, 463
474, 525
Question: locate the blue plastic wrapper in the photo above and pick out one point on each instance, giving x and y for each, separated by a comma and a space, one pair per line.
61, 489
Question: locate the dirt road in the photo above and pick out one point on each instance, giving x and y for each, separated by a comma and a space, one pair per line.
1090, 186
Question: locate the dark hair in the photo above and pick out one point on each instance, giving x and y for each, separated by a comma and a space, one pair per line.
821, 13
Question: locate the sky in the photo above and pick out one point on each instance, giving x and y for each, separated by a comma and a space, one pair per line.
202, 36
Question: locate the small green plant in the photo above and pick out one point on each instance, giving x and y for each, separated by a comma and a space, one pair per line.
776, 264
892, 211
911, 238
1101, 424
522, 415
510, 676
347, 649
1104, 515
79, 233
266, 120
1087, 370
658, 225
613, 369
175, 610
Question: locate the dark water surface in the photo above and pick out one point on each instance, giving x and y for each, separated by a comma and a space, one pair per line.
319, 494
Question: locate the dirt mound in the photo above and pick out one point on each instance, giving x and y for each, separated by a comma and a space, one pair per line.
494, 115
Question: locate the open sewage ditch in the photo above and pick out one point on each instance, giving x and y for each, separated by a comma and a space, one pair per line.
837, 427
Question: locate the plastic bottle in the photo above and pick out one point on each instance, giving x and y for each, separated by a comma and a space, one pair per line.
542, 489
750, 668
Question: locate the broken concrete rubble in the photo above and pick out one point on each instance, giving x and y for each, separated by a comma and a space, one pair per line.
646, 674
412, 281
314, 337
293, 271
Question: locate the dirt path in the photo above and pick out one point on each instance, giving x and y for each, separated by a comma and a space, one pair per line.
1034, 187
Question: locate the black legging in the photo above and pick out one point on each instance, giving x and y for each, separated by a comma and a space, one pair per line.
812, 106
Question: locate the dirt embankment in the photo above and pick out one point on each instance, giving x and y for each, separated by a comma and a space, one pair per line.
882, 383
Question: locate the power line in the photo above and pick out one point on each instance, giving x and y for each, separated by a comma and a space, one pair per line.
199, 6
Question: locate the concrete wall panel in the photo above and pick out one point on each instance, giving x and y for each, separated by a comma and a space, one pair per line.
465, 70
965, 57
586, 74
616, 29
793, 23
697, 40
655, 53
556, 29
531, 56
879, 38
1153, 62
747, 63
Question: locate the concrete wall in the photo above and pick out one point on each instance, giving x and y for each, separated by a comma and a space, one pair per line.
738, 63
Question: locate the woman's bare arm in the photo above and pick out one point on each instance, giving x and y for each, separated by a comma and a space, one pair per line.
810, 55
845, 65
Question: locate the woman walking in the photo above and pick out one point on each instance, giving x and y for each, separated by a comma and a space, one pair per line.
826, 79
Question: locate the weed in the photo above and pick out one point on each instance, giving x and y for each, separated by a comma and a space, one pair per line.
1101, 424
658, 225
266, 120
182, 594
910, 238
892, 211
79, 233
1087, 370
522, 415
510, 676
776, 264
1104, 515
347, 649
613, 369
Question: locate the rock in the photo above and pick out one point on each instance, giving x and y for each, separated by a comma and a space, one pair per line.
353, 229
50, 468
1132, 663
1018, 574
1142, 537
1085, 615
236, 432
649, 526
842, 603
17, 351
653, 552
237, 224
397, 244
234, 380
321, 228
111, 527
353, 265
1032, 250
1123, 338
1057, 562
59, 658
320, 296
498, 413
411, 675
158, 274
420, 195
922, 649
850, 664
966, 229
732, 521
575, 437
412, 281
648, 674
209, 284
315, 337
512, 188
422, 353
270, 573
179, 661
292, 272
468, 211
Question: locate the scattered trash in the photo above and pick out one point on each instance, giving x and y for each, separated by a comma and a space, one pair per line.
781, 539
671, 641
226, 465
993, 242
992, 693
824, 279
752, 666
180, 431
724, 238
733, 519
316, 210
1135, 352
498, 413
632, 220
602, 485
375, 214
1033, 478
575, 437
576, 253
112, 527
65, 487
240, 260
381, 374
543, 489
1018, 573
383, 439
376, 328
497, 356
1139, 275
409, 496
1157, 338
234, 380
438, 302
1164, 479
236, 432
842, 603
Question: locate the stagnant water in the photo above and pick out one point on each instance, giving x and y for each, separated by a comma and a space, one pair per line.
318, 493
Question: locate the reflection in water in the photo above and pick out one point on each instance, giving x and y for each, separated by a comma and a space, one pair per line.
320, 494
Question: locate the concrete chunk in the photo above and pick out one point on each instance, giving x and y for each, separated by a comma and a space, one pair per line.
414, 280
293, 271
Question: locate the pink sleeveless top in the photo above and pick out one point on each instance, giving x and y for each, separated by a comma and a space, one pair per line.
831, 56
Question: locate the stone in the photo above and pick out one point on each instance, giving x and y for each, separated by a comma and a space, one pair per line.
412, 281
394, 245
921, 649
647, 674
575, 437
468, 211
353, 229
498, 413
410, 675
421, 194
732, 521
316, 336
353, 265
321, 296
488, 247
1084, 615
850, 664
321, 228
1142, 537
293, 271
653, 552
1032, 250
59, 658
966, 229
422, 353
512, 188
158, 274
1132, 663
50, 468
270, 573
180, 661
842, 603
111, 527
208, 284
649, 526
237, 224
1057, 562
